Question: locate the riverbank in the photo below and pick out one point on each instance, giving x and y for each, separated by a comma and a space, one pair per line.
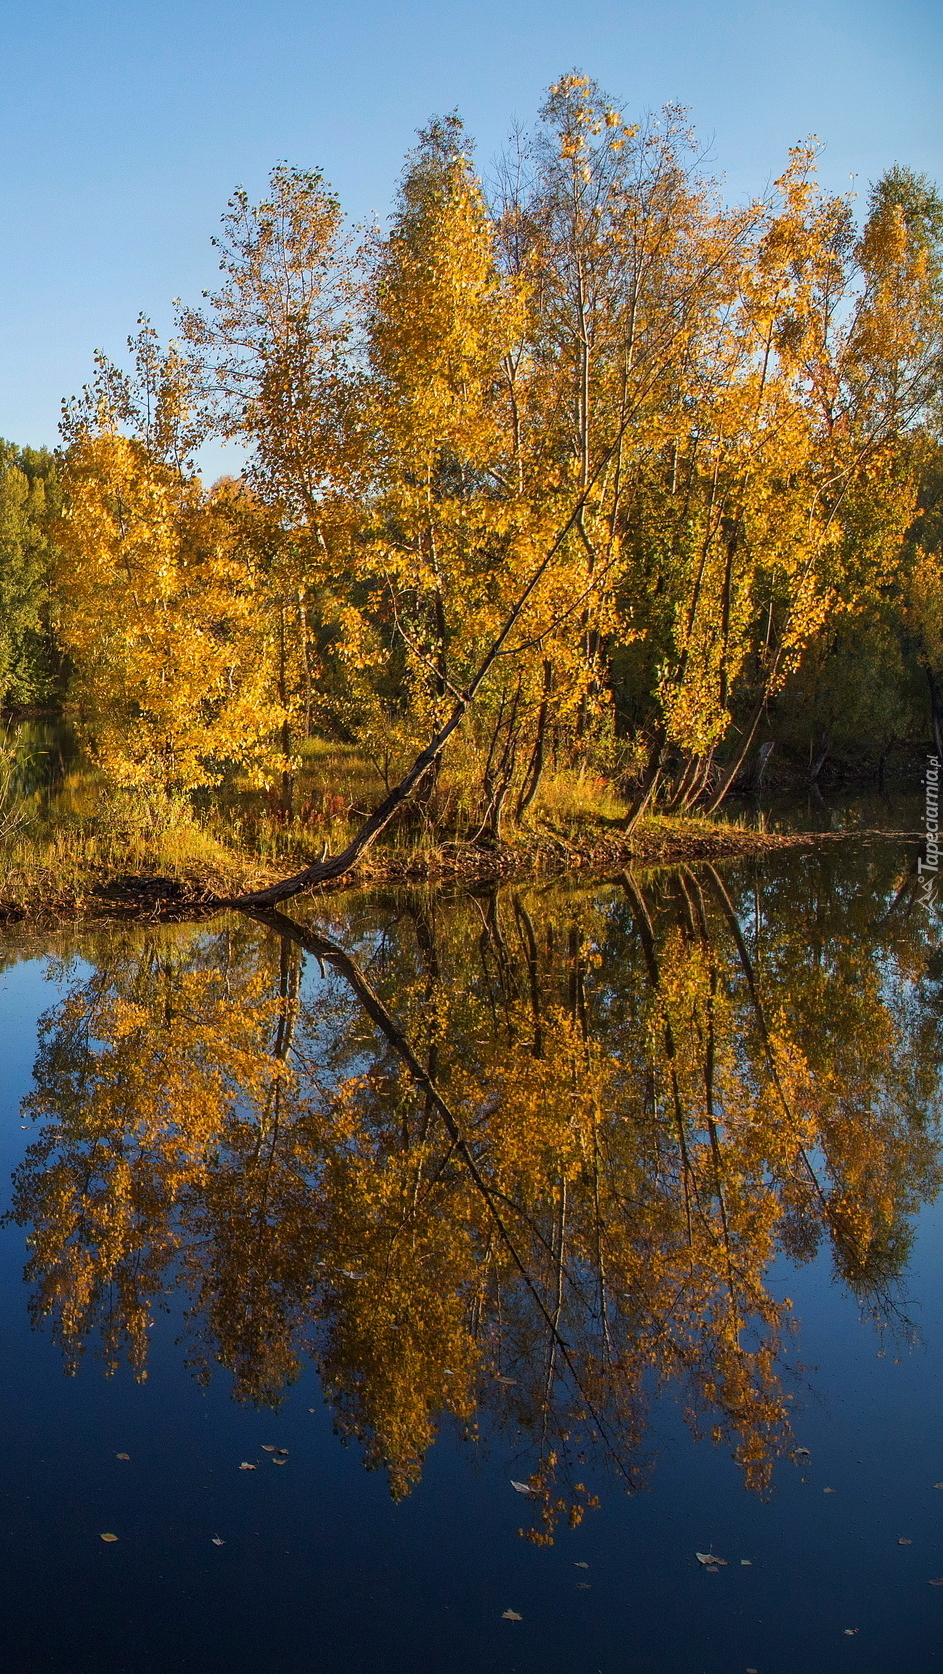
197, 876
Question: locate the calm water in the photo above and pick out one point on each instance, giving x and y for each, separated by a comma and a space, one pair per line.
625, 1193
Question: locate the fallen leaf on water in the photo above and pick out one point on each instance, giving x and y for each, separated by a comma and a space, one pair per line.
520, 1487
851, 1631
267, 1448
311, 1409
511, 1616
580, 1566
708, 1558
245, 1466
831, 1491
122, 1455
279, 1461
805, 1451
904, 1541
936, 1582
283, 1451
583, 1586
217, 1541
508, 1381
109, 1538
746, 1563
938, 1484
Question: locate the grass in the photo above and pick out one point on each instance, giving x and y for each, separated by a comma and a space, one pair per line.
73, 841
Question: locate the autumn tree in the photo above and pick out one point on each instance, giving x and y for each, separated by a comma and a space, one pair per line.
158, 591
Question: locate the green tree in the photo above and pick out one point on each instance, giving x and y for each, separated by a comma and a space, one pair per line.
29, 504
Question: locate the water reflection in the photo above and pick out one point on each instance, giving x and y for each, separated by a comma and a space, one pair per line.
527, 1154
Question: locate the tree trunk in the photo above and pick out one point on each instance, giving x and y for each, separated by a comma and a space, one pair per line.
535, 766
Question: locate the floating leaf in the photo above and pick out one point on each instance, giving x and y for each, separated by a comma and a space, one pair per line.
509, 1382
709, 1560
217, 1541
283, 1451
904, 1541
122, 1455
511, 1616
245, 1466
831, 1491
583, 1586
520, 1487
851, 1631
109, 1538
279, 1461
936, 1582
746, 1563
266, 1448
805, 1452
938, 1484
580, 1566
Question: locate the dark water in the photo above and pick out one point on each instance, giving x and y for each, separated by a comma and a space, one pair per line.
625, 1192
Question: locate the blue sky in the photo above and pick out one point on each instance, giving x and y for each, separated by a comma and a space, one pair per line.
125, 126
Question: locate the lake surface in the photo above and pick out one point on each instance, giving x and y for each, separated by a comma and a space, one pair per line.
526, 1244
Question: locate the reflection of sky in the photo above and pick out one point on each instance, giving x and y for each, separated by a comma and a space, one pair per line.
125, 126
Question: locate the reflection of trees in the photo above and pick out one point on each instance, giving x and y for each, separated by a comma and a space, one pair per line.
534, 1155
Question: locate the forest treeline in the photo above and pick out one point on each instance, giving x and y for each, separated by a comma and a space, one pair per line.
611, 473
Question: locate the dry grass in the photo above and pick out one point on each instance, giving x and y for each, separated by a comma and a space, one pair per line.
69, 845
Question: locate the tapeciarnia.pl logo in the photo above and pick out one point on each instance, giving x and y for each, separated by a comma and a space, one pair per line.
929, 866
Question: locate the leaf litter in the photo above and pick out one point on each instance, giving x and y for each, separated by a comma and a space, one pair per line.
511, 1616
520, 1487
108, 1537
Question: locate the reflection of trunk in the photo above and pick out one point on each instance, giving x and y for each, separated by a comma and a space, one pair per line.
289, 971
760, 1014
526, 928
647, 937
694, 907
331, 953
